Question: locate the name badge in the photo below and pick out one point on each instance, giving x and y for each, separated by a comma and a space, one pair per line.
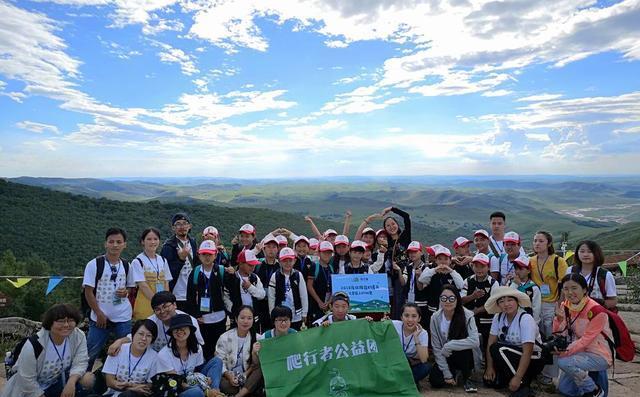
545, 290
159, 287
116, 300
205, 304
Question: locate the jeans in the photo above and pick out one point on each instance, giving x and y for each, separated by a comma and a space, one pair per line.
575, 379
420, 371
97, 337
546, 330
55, 390
212, 369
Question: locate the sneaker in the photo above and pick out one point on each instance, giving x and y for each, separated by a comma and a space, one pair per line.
597, 392
470, 387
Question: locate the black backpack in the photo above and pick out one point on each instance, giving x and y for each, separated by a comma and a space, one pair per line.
11, 360
100, 262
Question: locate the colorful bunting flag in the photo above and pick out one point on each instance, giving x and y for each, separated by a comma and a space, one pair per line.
568, 254
20, 282
53, 283
623, 267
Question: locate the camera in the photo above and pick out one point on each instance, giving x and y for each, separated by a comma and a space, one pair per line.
559, 342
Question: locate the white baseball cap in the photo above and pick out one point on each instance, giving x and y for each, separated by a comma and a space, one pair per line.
269, 238
511, 237
299, 239
480, 258
247, 256
481, 232
208, 247
441, 250
210, 230
313, 243
247, 228
460, 242
341, 240
325, 246
287, 253
414, 246
282, 240
329, 232
359, 244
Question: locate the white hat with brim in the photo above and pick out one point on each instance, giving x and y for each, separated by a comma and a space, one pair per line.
500, 292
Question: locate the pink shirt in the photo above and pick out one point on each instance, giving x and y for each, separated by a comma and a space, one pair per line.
587, 334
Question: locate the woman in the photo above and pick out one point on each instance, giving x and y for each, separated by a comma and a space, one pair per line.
513, 354
151, 267
237, 348
395, 257
53, 361
601, 286
356, 265
454, 337
588, 349
129, 373
415, 341
287, 287
183, 356
547, 269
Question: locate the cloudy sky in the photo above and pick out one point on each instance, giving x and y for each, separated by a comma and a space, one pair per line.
294, 88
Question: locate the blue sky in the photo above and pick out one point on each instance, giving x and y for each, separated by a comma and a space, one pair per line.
108, 88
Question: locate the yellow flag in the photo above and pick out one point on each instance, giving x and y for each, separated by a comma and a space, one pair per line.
568, 254
20, 282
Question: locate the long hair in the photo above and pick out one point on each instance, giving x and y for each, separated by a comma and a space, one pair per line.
458, 327
598, 256
192, 343
550, 249
252, 330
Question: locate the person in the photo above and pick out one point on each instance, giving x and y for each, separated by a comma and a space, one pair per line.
246, 241
481, 241
245, 288
60, 369
237, 348
462, 260
178, 250
356, 253
164, 309
265, 269
281, 318
314, 244
129, 373
303, 261
412, 271
211, 233
341, 255
151, 267
205, 296
498, 224
502, 267
523, 283
110, 309
319, 282
585, 327
475, 293
454, 337
395, 257
547, 268
415, 341
282, 241
287, 287
434, 278
339, 307
601, 285
184, 356
514, 355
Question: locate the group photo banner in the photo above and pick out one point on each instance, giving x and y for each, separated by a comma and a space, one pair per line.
346, 359
368, 293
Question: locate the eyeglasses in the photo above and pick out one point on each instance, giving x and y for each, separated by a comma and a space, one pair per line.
282, 320
181, 224
445, 298
163, 308
64, 321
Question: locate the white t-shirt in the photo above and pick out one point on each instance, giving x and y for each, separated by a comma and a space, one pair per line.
213, 317
180, 289
329, 317
151, 269
444, 327
142, 368
408, 342
53, 367
163, 338
523, 329
168, 362
609, 285
506, 269
116, 309
242, 344
246, 297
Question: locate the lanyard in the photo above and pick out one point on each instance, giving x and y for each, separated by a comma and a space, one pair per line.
239, 355
206, 283
155, 265
184, 364
327, 274
131, 371
60, 357
405, 347
246, 291
114, 270
541, 269
164, 332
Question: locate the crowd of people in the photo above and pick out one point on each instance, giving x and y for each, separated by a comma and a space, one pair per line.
201, 310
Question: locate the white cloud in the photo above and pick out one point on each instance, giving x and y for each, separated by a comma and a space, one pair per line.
360, 100
394, 130
336, 44
37, 127
170, 54
538, 137
496, 93
539, 97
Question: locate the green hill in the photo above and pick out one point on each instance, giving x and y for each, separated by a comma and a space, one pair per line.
624, 237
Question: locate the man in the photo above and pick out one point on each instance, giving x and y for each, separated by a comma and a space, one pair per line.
106, 282
178, 251
339, 311
164, 309
504, 270
498, 224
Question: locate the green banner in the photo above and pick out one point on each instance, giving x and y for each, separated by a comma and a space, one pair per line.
347, 359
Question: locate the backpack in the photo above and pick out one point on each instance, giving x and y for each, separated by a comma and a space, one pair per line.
196, 274
622, 343
85, 309
12, 359
601, 279
317, 269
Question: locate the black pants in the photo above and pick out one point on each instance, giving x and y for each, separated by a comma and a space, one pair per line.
459, 361
506, 359
297, 325
483, 330
129, 393
211, 333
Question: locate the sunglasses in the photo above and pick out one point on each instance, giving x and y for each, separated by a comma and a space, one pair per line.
445, 298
